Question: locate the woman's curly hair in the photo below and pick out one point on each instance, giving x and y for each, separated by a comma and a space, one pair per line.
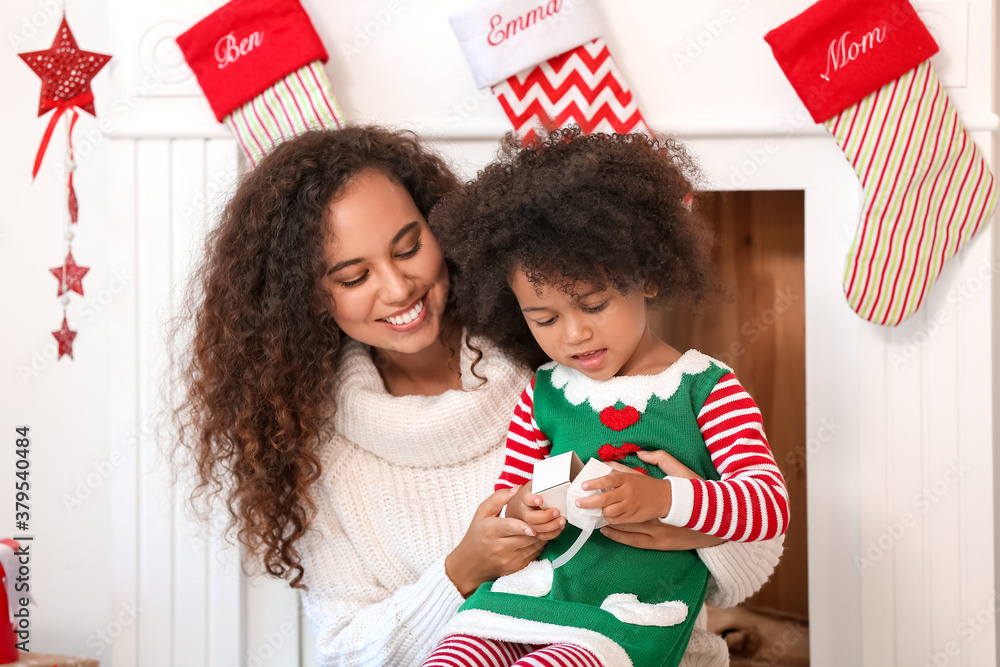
259, 371
607, 210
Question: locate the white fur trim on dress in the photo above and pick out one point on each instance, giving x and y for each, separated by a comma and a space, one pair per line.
535, 580
627, 609
632, 390
491, 625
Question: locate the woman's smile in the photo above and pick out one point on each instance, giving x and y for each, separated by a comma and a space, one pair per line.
408, 319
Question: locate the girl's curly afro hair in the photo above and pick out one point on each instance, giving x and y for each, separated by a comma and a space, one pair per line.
606, 210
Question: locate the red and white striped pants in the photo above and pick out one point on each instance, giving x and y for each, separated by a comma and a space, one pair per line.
469, 651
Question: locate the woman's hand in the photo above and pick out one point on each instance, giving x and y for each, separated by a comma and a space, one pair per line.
654, 534
492, 546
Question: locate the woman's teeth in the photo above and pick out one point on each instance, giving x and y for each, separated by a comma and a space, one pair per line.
406, 318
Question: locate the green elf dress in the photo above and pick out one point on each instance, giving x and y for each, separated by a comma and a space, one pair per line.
628, 606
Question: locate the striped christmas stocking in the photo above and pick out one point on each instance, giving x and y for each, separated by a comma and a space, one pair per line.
260, 64
861, 68
547, 65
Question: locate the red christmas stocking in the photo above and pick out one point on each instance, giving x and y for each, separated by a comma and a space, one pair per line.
577, 81
259, 63
860, 67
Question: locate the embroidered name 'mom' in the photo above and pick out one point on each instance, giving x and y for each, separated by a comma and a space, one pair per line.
227, 50
841, 52
500, 31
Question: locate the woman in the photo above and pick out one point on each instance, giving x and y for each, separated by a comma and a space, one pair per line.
335, 405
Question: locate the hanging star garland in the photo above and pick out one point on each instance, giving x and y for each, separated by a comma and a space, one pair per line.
69, 275
66, 73
65, 337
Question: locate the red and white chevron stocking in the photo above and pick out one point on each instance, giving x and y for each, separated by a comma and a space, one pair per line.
861, 68
547, 65
260, 64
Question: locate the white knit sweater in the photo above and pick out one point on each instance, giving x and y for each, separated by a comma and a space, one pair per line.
402, 477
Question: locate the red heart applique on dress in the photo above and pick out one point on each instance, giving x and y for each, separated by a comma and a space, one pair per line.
612, 453
618, 420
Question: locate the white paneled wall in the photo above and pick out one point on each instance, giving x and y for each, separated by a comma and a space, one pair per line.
175, 569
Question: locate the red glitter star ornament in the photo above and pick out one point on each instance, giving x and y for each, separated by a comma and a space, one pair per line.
70, 275
66, 72
65, 336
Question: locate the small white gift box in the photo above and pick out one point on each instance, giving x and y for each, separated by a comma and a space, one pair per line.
558, 480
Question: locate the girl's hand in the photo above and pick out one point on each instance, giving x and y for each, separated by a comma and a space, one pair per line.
629, 504
492, 546
546, 523
629, 496
654, 534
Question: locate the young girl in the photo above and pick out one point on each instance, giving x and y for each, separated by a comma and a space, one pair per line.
561, 249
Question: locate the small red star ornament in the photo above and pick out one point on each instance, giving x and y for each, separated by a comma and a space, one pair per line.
69, 275
65, 337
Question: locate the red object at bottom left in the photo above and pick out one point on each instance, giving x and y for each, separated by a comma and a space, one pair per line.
9, 603
8, 600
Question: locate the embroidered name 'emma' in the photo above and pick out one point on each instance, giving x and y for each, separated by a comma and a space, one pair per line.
227, 50
841, 53
500, 31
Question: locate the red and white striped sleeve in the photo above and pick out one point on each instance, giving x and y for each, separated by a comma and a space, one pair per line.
750, 502
525, 443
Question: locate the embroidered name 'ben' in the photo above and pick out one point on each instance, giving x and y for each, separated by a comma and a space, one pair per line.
500, 31
228, 51
841, 53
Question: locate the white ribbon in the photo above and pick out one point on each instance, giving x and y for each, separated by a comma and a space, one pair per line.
581, 539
